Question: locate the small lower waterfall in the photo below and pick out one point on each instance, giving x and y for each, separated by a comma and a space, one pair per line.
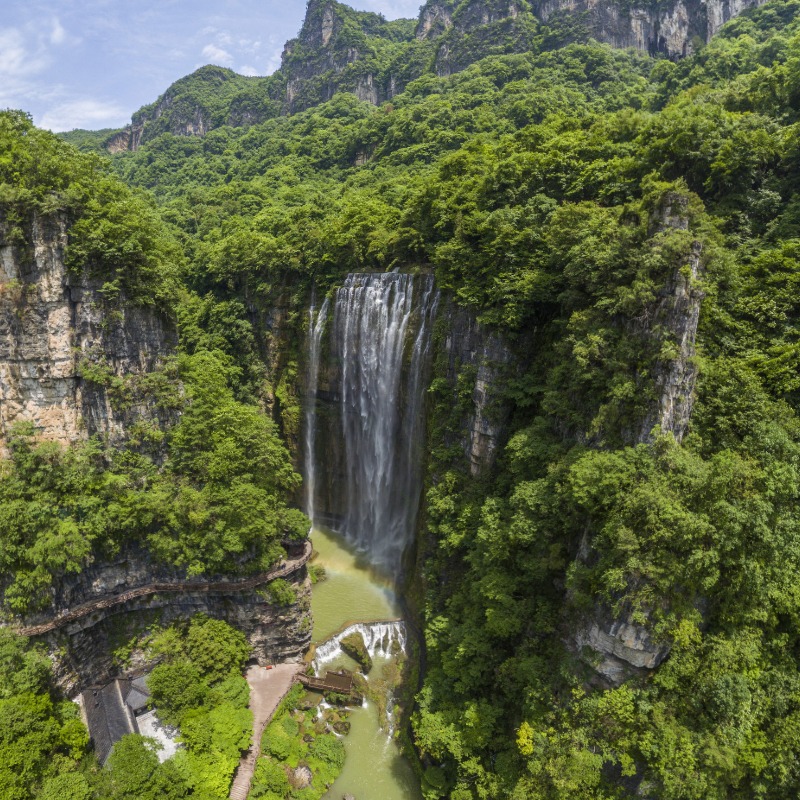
380, 639
316, 326
381, 407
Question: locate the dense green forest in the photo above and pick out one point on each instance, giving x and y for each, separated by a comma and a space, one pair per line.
533, 184
44, 746
209, 492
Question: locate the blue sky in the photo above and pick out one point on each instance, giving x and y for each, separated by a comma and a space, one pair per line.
92, 63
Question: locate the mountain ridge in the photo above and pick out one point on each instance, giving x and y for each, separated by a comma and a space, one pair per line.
339, 49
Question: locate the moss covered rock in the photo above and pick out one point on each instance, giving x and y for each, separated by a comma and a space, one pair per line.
354, 646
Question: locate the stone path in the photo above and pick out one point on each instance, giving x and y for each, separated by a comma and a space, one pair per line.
75, 613
267, 688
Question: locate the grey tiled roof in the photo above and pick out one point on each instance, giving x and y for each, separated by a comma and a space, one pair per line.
108, 716
136, 700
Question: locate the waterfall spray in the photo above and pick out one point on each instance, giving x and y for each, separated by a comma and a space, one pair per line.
375, 318
316, 326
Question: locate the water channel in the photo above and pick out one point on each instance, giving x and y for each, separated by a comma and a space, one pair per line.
368, 350
352, 592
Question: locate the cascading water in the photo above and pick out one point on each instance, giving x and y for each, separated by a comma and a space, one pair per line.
381, 340
363, 441
316, 326
380, 639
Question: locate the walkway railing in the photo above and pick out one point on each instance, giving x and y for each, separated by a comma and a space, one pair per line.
287, 567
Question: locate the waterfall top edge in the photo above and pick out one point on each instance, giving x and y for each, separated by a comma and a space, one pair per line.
354, 623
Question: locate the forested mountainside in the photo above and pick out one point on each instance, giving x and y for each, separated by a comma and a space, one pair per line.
342, 50
608, 592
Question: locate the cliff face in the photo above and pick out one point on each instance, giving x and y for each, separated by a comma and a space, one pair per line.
477, 357
83, 651
51, 323
617, 646
675, 317
342, 50
207, 99
669, 29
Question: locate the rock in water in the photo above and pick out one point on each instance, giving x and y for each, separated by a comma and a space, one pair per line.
354, 646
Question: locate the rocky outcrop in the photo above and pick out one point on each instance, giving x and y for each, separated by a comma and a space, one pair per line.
675, 320
337, 50
83, 651
434, 19
479, 356
53, 321
618, 647
668, 29
209, 98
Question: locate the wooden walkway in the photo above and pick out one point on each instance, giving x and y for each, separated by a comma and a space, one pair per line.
267, 688
285, 568
339, 682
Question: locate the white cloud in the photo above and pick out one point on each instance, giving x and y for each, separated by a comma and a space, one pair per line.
247, 70
274, 61
16, 58
85, 113
216, 55
57, 34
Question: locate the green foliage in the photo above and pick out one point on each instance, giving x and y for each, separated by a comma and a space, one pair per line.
218, 504
134, 773
563, 196
199, 689
294, 737
216, 648
42, 740
115, 234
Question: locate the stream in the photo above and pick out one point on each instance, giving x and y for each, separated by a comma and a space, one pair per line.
374, 768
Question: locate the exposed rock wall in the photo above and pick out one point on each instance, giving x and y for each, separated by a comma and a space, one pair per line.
51, 320
478, 356
620, 645
83, 651
675, 318
667, 29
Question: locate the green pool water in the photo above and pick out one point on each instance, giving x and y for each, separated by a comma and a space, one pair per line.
374, 768
351, 593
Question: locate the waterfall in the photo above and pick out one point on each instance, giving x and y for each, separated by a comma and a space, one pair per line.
380, 639
381, 338
316, 325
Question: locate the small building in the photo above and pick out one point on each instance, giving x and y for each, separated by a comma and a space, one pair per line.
111, 712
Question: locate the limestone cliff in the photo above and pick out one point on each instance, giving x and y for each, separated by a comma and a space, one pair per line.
84, 651
672, 29
342, 50
53, 322
339, 49
618, 645
675, 318
192, 106
477, 357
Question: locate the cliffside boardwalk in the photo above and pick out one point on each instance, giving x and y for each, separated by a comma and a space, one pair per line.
285, 568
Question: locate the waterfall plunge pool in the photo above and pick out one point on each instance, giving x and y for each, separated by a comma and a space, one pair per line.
351, 593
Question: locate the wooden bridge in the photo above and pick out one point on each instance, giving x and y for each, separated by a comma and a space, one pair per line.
286, 567
341, 682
